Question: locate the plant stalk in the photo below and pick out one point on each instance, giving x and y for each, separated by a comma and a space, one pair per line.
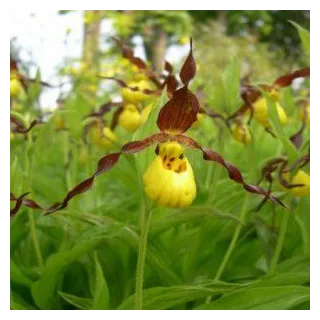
145, 223
234, 238
32, 225
280, 242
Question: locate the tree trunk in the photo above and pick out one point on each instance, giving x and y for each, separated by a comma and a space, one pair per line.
156, 47
91, 36
90, 49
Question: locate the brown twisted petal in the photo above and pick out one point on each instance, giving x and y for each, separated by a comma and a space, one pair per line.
22, 201
249, 95
168, 67
31, 204
123, 84
299, 163
171, 83
189, 68
106, 107
129, 54
120, 82
19, 127
186, 141
115, 118
105, 163
235, 175
283, 181
296, 139
269, 168
13, 65
137, 146
286, 80
18, 204
179, 113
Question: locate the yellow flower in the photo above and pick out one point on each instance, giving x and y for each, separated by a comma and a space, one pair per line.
241, 133
169, 179
184, 40
136, 96
301, 114
261, 112
301, 178
15, 87
84, 155
105, 139
11, 136
130, 118
145, 113
197, 123
58, 122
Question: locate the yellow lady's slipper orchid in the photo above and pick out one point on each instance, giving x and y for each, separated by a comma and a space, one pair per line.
301, 178
15, 87
105, 139
84, 155
306, 117
136, 96
241, 133
169, 179
261, 112
145, 113
130, 118
58, 122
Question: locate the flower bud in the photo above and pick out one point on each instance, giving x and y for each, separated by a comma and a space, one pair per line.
130, 118
169, 179
84, 156
136, 96
301, 178
261, 112
58, 122
304, 114
15, 87
105, 139
241, 133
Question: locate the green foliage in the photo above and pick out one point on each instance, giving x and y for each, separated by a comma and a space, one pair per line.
305, 39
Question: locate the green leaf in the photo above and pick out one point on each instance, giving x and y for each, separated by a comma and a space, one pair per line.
278, 130
284, 279
231, 80
17, 303
163, 298
17, 276
43, 291
266, 298
78, 302
296, 264
101, 297
187, 214
304, 35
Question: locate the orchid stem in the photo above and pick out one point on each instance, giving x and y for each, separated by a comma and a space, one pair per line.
234, 238
280, 242
33, 230
145, 223
145, 218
